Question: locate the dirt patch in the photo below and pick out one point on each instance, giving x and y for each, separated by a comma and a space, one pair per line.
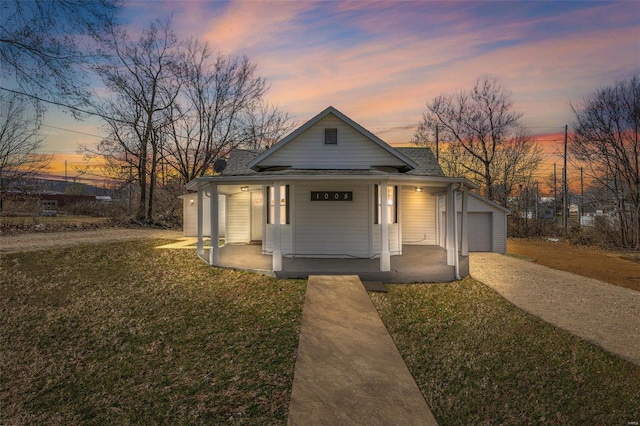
612, 267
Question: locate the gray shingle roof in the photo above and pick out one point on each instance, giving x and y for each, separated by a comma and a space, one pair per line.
427, 164
237, 165
237, 162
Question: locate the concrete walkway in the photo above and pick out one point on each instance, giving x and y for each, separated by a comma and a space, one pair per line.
601, 313
348, 370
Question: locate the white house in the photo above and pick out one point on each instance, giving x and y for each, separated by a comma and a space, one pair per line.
190, 215
333, 190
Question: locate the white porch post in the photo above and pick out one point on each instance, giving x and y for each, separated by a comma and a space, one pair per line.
200, 244
385, 255
214, 250
277, 252
450, 240
464, 246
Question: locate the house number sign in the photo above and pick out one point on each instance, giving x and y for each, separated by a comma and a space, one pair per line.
331, 196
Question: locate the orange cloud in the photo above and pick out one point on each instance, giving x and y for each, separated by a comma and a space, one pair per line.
74, 166
381, 62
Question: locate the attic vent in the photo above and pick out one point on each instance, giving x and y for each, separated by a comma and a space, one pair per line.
331, 136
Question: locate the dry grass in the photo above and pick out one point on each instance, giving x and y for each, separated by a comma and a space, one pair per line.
480, 360
10, 225
121, 333
618, 268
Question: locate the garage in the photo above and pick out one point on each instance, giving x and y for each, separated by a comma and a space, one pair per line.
479, 231
487, 229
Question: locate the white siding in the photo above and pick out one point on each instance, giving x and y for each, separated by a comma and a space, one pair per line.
353, 150
395, 247
238, 218
499, 233
286, 240
190, 216
332, 228
418, 217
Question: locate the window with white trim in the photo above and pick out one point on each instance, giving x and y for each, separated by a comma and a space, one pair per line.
391, 204
283, 205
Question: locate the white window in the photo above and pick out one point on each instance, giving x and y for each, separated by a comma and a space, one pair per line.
391, 204
284, 205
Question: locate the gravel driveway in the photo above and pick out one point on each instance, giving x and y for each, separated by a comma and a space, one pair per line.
604, 314
46, 240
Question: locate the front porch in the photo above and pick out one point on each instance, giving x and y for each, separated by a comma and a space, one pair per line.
416, 264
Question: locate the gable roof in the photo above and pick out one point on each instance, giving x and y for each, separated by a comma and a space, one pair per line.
255, 163
489, 202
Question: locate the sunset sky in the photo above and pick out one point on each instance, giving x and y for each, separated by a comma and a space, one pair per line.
381, 62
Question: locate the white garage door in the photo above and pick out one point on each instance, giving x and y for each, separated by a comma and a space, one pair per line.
480, 231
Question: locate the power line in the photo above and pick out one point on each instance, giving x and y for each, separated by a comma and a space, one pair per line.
72, 131
97, 114
16, 92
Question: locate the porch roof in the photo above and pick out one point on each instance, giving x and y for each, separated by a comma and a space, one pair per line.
238, 171
328, 175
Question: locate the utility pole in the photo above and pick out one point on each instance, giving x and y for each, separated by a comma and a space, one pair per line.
65, 170
437, 145
581, 194
537, 200
555, 196
565, 219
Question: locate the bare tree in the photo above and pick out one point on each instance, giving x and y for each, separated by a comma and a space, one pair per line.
43, 43
20, 142
482, 137
606, 143
218, 96
180, 105
265, 126
449, 154
141, 78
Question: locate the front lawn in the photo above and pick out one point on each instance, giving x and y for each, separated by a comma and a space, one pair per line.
121, 333
480, 360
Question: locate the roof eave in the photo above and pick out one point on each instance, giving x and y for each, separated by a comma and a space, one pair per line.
202, 182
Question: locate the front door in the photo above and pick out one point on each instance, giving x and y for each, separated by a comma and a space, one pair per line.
256, 216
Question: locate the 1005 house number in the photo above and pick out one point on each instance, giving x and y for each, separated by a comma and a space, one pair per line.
331, 196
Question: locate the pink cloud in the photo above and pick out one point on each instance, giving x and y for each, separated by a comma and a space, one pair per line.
246, 26
394, 57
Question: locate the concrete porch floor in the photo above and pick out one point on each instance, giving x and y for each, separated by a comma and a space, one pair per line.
416, 264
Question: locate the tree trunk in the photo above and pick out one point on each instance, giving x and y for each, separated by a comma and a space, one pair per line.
142, 173
152, 181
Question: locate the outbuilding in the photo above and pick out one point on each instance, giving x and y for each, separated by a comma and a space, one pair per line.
487, 223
